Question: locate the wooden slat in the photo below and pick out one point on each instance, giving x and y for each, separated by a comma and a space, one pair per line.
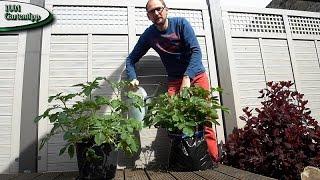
5, 139
74, 39
27, 176
119, 175
214, 175
220, 173
135, 174
9, 65
238, 173
63, 166
9, 176
56, 65
48, 176
186, 176
67, 176
153, 175
8, 56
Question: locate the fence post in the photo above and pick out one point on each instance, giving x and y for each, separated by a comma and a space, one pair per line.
223, 68
291, 50
29, 107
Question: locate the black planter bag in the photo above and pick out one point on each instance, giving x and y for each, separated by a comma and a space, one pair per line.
189, 153
95, 169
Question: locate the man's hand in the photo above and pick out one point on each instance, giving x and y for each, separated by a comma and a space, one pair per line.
185, 82
134, 83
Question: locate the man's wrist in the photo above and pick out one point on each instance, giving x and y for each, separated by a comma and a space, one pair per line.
185, 76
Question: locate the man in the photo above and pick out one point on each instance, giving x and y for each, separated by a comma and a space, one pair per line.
176, 43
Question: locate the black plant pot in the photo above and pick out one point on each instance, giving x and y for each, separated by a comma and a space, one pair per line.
95, 168
189, 153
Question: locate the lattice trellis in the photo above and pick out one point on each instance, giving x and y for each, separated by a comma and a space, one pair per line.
194, 17
304, 25
259, 23
112, 17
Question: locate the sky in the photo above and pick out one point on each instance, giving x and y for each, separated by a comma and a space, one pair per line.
245, 3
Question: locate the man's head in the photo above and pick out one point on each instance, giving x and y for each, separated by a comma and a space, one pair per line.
157, 12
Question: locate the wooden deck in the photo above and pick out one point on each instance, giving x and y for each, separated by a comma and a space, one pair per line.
222, 172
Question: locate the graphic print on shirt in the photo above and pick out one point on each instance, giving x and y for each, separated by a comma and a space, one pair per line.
169, 43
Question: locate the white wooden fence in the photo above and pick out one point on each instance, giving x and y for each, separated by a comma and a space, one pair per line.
12, 50
12, 54
272, 45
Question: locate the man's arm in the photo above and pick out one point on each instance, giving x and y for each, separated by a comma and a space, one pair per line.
140, 49
192, 42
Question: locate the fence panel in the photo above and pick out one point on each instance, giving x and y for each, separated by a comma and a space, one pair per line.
272, 45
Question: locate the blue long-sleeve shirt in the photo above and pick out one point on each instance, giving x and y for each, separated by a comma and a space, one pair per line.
177, 47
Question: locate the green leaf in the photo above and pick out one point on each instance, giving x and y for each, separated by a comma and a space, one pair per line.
67, 135
62, 150
54, 117
90, 153
78, 85
175, 117
69, 96
180, 126
219, 89
100, 78
37, 119
62, 118
131, 95
215, 122
185, 93
53, 97
191, 123
46, 112
43, 141
99, 138
87, 91
100, 100
188, 131
71, 150
130, 129
115, 103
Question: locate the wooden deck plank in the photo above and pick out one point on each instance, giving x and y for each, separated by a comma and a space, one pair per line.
9, 176
240, 174
119, 175
214, 175
221, 172
67, 176
27, 176
135, 174
48, 176
186, 176
158, 175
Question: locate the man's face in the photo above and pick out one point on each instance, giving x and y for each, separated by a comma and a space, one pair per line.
157, 12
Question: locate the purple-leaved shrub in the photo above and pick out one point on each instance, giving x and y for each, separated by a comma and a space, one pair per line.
280, 140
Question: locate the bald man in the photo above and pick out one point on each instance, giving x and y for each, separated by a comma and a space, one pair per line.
177, 45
